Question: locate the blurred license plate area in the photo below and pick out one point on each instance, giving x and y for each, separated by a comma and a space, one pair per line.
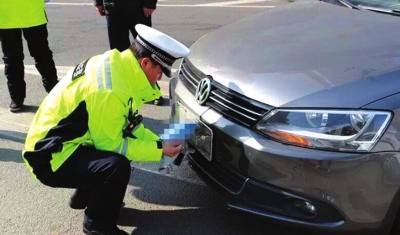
201, 137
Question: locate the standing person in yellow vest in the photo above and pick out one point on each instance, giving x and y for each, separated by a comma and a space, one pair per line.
87, 129
27, 18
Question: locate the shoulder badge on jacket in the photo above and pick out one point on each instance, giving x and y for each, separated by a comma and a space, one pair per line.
79, 70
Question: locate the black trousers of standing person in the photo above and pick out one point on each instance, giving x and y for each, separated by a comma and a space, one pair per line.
101, 175
13, 56
122, 21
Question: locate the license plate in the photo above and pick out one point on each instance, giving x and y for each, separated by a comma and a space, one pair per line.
201, 137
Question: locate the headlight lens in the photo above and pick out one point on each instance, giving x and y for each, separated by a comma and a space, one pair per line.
338, 130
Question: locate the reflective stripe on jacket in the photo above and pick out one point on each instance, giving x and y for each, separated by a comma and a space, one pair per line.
90, 107
22, 13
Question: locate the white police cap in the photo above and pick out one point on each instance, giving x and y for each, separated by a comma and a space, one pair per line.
164, 49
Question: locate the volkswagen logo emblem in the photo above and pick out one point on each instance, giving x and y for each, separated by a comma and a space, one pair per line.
203, 90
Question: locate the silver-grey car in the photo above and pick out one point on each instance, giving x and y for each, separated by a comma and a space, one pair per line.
298, 114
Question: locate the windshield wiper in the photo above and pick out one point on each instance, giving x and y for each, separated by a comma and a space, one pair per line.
370, 8
379, 9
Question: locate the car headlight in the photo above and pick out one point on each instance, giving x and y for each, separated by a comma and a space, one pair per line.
337, 130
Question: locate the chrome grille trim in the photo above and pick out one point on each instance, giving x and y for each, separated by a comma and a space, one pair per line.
226, 106
233, 104
230, 104
190, 78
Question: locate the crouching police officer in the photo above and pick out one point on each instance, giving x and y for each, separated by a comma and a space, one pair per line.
87, 130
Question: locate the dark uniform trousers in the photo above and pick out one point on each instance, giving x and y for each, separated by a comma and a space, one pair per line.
102, 176
13, 56
122, 21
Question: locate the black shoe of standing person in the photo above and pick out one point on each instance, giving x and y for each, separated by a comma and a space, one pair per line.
159, 101
87, 229
16, 106
50, 85
78, 200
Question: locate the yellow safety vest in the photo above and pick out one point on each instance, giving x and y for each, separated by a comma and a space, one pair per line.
22, 13
90, 107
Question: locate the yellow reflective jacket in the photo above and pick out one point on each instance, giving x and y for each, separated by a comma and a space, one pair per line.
90, 107
22, 13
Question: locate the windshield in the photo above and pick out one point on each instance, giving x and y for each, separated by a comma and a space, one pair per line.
385, 4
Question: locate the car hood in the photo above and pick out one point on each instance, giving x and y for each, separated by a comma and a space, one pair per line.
310, 54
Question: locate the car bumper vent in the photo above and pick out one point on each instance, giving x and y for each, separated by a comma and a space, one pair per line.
229, 180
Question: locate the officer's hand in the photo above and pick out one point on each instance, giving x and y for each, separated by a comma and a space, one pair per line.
147, 11
101, 10
171, 149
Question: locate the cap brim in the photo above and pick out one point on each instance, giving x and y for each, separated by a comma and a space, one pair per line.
166, 71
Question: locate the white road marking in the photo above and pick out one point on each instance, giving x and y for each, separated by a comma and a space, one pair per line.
222, 4
70, 4
61, 70
228, 6
31, 69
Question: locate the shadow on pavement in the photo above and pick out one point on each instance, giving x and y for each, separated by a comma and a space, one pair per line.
14, 136
161, 190
10, 155
191, 221
29, 109
202, 212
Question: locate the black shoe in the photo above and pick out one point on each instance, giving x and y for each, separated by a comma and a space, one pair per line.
93, 231
48, 86
159, 101
78, 200
15, 106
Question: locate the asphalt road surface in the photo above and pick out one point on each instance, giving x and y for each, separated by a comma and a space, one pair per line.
156, 204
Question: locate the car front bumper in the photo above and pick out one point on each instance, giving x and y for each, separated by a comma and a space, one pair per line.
350, 192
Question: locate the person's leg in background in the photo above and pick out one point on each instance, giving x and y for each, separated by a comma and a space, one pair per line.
137, 17
101, 178
120, 22
39, 49
13, 57
118, 30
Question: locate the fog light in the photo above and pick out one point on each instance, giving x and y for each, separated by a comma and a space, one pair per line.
305, 207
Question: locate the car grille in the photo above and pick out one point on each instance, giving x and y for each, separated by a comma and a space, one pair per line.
229, 103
